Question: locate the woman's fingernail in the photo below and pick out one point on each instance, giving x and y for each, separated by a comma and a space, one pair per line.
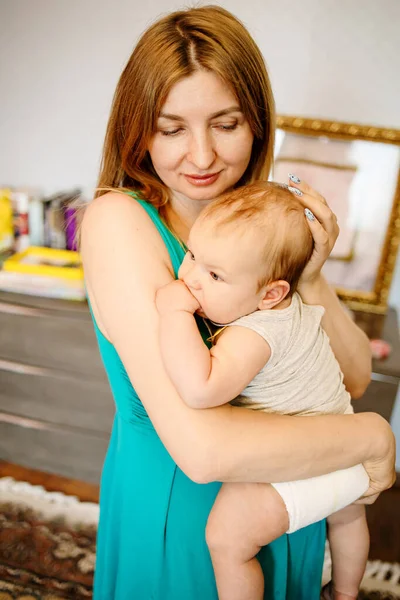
294, 178
310, 216
295, 191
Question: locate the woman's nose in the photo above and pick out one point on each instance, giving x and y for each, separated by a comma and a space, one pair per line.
201, 151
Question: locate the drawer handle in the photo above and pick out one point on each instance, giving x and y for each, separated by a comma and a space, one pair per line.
16, 309
31, 311
24, 369
30, 423
385, 378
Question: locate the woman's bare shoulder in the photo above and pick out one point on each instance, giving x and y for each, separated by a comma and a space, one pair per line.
119, 220
114, 208
123, 256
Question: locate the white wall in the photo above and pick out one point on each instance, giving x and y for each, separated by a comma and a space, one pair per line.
60, 62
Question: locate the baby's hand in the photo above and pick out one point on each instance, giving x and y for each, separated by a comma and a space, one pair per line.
175, 296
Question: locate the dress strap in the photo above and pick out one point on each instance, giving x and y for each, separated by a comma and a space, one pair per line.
176, 251
175, 247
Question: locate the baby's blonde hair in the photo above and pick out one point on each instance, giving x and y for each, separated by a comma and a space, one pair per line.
279, 215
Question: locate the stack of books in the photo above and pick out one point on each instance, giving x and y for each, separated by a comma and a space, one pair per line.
41, 271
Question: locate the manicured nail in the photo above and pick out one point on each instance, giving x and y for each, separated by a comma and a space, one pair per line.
295, 191
294, 178
309, 214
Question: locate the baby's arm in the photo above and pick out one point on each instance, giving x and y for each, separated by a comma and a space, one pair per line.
205, 378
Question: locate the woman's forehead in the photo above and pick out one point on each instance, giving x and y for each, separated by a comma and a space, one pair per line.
202, 92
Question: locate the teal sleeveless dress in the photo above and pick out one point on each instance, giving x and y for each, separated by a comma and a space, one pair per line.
151, 536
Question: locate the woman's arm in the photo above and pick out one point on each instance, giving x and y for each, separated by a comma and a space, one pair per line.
349, 344
205, 377
125, 263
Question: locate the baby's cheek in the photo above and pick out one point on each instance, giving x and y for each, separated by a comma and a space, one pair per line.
220, 313
182, 270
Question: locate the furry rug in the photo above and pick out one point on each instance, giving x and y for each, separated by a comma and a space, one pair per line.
47, 544
47, 548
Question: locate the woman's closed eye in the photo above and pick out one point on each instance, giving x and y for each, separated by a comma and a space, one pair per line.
226, 126
174, 131
220, 126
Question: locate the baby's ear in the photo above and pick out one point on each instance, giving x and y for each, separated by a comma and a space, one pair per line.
273, 294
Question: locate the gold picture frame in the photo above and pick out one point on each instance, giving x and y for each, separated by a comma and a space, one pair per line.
374, 299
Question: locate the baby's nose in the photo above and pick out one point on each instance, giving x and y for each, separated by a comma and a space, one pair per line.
191, 280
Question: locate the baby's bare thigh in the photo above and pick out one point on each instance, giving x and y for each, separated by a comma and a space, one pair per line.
246, 515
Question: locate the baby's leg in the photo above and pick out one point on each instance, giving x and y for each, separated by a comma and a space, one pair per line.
349, 541
245, 517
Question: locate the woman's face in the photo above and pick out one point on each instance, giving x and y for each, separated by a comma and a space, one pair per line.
203, 142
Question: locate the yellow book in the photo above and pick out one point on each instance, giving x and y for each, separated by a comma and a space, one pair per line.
48, 262
6, 221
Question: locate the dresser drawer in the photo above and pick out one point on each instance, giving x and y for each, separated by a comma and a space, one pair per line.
58, 399
56, 406
46, 338
379, 397
74, 454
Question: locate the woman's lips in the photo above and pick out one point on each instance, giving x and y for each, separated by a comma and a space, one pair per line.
202, 180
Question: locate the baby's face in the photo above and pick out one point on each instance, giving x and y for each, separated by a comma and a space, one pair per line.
222, 271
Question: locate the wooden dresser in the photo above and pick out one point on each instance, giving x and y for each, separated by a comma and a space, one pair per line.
56, 408
381, 394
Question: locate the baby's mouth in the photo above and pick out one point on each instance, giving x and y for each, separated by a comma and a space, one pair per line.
201, 312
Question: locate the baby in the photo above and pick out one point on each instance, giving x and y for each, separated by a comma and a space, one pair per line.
246, 253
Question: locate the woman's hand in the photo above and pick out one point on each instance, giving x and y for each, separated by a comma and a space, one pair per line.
323, 226
380, 467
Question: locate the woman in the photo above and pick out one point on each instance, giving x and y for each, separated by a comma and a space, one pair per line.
192, 117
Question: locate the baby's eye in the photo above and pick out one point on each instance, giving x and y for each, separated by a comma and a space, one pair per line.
215, 276
190, 254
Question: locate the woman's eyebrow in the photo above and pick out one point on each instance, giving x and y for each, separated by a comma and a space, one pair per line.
219, 113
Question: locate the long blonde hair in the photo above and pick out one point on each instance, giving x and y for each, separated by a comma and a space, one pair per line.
174, 47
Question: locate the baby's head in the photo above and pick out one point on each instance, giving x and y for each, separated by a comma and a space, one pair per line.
247, 251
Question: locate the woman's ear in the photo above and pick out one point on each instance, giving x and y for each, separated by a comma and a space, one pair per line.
273, 294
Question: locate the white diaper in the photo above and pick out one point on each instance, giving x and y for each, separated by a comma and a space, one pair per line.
311, 500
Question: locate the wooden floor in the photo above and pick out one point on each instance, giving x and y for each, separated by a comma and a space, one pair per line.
383, 516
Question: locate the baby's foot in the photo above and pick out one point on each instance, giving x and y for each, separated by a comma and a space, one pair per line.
329, 593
